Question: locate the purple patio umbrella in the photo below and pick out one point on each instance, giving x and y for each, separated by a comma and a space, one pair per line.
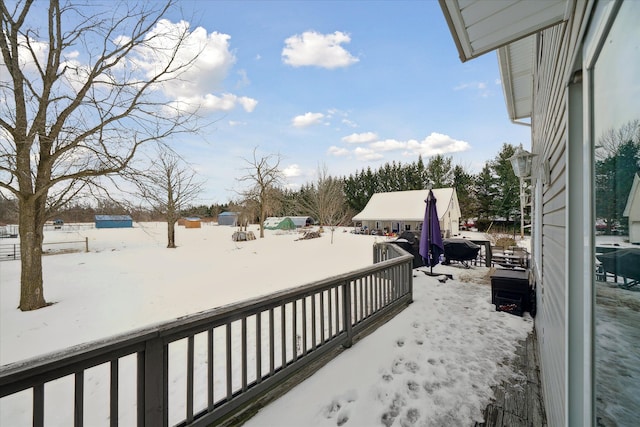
431, 246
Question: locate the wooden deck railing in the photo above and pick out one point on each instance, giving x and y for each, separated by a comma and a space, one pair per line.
234, 353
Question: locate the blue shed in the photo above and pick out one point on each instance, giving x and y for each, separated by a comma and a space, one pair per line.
114, 221
228, 218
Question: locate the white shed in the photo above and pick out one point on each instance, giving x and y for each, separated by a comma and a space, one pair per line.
400, 211
632, 210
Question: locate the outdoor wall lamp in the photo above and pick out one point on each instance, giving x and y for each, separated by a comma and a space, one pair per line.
521, 162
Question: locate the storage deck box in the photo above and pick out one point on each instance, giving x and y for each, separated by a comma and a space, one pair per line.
511, 285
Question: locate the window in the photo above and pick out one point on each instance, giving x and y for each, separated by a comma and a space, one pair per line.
615, 101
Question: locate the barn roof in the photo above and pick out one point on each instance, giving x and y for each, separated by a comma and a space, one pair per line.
113, 217
404, 205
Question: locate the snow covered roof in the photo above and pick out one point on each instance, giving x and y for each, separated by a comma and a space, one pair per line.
404, 205
631, 199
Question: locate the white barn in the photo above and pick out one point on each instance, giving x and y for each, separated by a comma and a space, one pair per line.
400, 211
632, 211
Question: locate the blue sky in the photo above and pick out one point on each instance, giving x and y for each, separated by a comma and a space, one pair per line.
342, 84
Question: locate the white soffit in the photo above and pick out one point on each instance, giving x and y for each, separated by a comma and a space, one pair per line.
516, 72
480, 26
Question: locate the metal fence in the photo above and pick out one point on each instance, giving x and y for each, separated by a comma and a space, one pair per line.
11, 251
222, 359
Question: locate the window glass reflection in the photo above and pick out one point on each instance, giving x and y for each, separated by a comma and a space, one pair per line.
616, 128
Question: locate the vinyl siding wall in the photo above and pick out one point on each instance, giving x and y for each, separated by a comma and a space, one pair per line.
555, 52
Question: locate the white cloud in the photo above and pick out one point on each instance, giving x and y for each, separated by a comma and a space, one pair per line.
307, 119
367, 154
292, 171
320, 50
243, 79
480, 87
388, 145
349, 123
233, 123
436, 143
205, 74
360, 138
212, 103
337, 151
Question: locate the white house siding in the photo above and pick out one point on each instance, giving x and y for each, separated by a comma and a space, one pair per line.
555, 52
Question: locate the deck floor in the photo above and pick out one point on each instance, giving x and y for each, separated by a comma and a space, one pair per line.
519, 403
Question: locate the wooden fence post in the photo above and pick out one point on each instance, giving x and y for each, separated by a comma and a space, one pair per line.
86, 244
155, 384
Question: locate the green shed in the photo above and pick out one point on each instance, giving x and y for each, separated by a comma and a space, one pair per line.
279, 223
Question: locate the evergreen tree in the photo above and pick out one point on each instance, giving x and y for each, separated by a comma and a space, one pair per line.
486, 192
507, 201
464, 182
439, 171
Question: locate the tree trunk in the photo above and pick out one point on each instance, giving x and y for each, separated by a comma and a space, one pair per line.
31, 223
171, 233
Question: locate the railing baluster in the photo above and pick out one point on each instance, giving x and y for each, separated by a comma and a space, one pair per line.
272, 339
314, 323
190, 363
38, 405
229, 367
329, 311
361, 298
210, 370
371, 294
283, 334
294, 329
346, 315
78, 402
322, 334
336, 292
259, 347
113, 394
376, 285
244, 353
304, 326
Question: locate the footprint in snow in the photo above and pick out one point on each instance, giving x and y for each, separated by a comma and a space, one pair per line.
343, 417
339, 407
410, 418
398, 366
392, 413
412, 367
400, 342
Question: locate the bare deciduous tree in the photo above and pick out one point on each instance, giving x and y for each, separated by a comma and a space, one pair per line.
264, 177
325, 200
78, 97
168, 185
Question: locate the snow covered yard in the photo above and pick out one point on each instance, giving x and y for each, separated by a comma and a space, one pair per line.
434, 364
431, 365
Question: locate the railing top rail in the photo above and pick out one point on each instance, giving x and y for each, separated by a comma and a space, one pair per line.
103, 350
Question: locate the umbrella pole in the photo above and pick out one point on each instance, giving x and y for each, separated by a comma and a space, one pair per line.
430, 231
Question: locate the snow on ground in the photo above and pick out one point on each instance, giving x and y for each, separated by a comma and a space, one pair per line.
433, 364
